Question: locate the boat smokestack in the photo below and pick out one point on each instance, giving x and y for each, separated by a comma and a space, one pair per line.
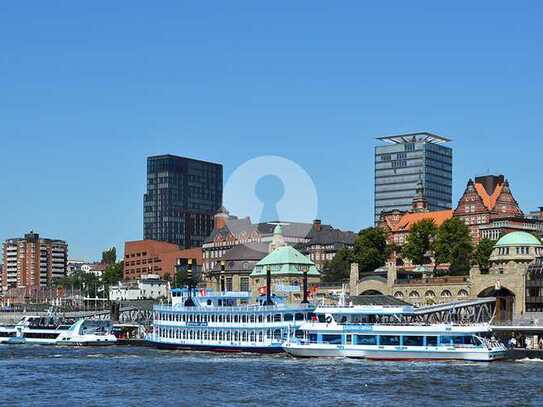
305, 288
268, 286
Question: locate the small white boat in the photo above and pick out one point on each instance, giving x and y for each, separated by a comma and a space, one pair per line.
86, 332
47, 331
359, 332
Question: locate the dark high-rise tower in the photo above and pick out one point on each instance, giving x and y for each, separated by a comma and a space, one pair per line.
404, 162
182, 196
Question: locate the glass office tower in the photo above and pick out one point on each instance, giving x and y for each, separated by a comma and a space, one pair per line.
404, 159
181, 199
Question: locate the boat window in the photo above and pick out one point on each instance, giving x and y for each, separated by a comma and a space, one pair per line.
348, 339
253, 336
313, 338
332, 339
287, 317
260, 336
322, 318
299, 317
260, 318
244, 318
253, 318
299, 334
431, 341
277, 318
459, 340
413, 341
445, 340
268, 318
277, 334
390, 340
366, 339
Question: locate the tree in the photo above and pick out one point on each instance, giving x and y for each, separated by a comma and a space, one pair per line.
113, 274
370, 249
453, 245
482, 254
109, 256
338, 268
167, 276
420, 241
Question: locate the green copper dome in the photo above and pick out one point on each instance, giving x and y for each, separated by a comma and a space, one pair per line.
518, 239
285, 260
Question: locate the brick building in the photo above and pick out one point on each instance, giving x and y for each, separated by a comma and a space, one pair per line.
487, 206
32, 261
318, 241
153, 257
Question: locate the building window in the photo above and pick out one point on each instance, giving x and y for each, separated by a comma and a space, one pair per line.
244, 284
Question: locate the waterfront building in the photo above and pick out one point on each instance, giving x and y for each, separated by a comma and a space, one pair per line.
397, 224
148, 287
154, 257
318, 241
33, 261
182, 197
514, 278
402, 161
288, 268
487, 206
490, 210
96, 268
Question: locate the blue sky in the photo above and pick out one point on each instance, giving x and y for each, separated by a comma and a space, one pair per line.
88, 90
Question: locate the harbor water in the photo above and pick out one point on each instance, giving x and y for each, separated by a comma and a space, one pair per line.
136, 376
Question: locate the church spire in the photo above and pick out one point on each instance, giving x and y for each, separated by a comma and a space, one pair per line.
420, 204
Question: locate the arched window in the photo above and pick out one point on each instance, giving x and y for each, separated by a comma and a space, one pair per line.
446, 293
398, 294
429, 294
462, 293
414, 294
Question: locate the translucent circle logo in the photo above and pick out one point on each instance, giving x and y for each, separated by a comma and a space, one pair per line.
270, 189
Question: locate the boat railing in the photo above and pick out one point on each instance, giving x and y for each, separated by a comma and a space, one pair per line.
234, 309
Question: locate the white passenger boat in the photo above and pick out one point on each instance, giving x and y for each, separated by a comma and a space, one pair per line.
225, 322
48, 331
359, 332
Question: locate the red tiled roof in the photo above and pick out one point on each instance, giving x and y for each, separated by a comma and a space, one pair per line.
489, 200
409, 219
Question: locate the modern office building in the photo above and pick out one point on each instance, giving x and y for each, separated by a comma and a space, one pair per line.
33, 262
405, 160
182, 197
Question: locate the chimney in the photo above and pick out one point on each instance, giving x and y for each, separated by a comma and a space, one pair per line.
317, 225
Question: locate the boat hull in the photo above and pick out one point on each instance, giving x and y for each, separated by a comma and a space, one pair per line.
398, 354
218, 348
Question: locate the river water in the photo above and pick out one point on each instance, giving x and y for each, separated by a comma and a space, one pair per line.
137, 376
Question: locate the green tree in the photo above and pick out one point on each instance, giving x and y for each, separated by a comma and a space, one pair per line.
420, 241
453, 245
482, 254
109, 256
370, 249
338, 268
113, 274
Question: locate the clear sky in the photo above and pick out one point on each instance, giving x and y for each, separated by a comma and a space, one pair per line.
88, 90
